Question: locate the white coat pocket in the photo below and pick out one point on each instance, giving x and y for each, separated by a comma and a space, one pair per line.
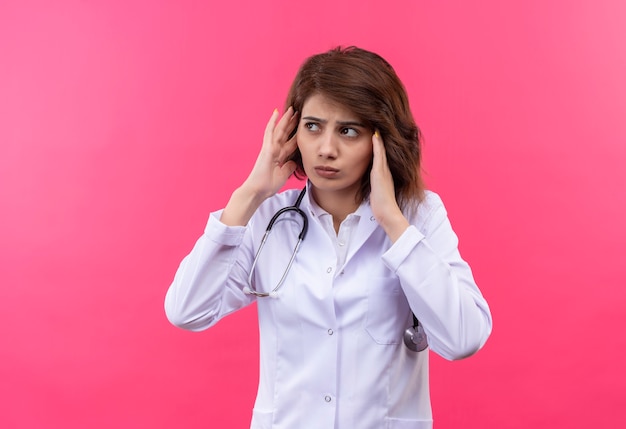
387, 310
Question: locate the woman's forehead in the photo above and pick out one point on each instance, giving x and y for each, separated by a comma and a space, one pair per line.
320, 105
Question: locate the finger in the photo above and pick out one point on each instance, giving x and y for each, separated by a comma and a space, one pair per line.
292, 125
269, 128
288, 149
281, 129
380, 158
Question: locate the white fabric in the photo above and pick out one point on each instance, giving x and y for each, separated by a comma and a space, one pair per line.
340, 239
331, 353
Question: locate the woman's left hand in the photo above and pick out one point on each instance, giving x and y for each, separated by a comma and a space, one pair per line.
382, 194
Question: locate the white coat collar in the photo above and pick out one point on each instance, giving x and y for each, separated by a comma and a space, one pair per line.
366, 226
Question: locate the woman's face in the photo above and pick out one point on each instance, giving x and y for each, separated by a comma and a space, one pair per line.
336, 147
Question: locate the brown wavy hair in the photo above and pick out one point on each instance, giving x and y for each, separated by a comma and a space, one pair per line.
366, 84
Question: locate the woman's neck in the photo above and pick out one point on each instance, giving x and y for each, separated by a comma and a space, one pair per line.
338, 204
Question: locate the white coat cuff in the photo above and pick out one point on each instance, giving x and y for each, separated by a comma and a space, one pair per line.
223, 234
403, 246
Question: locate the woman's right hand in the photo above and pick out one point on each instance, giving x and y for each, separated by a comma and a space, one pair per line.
273, 167
270, 172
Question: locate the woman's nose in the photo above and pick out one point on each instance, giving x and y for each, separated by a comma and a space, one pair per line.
327, 146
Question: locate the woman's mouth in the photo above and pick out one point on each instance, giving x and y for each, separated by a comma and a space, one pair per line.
325, 171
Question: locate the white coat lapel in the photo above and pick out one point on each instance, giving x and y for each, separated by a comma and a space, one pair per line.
366, 227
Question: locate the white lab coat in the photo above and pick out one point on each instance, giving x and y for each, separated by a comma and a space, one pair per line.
331, 345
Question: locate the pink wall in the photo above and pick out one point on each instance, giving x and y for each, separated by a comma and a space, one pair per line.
123, 123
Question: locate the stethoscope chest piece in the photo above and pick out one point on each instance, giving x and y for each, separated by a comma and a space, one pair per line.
415, 338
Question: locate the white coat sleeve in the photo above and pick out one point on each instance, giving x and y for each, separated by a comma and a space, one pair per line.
439, 285
209, 282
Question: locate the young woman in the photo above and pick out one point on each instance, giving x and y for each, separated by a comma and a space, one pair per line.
378, 254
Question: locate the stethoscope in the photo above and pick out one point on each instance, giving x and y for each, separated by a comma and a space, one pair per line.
305, 225
414, 337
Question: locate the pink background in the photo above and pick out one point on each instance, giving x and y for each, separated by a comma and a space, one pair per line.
123, 123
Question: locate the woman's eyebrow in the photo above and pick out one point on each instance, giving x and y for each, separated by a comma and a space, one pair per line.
314, 119
342, 123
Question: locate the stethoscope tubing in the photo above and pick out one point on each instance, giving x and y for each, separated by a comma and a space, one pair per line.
305, 226
415, 338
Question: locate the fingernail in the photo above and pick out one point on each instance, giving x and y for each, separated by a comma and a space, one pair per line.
377, 134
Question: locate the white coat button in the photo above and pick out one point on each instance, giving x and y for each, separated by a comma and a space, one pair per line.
329, 269
327, 398
341, 243
372, 218
330, 332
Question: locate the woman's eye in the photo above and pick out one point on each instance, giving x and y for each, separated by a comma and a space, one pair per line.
312, 126
349, 132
